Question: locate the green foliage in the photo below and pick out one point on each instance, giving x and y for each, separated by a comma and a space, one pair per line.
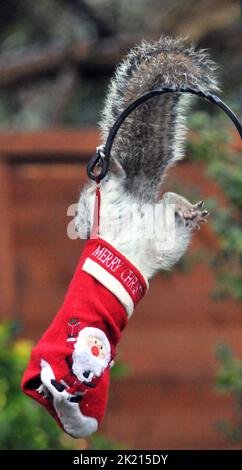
229, 375
84, 105
225, 167
23, 423
229, 380
120, 370
228, 225
98, 441
228, 173
211, 137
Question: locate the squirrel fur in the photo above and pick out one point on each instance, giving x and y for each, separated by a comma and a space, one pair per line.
148, 143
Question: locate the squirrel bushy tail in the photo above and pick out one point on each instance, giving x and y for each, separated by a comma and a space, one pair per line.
150, 140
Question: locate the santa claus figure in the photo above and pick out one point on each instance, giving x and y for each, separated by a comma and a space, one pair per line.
92, 354
90, 357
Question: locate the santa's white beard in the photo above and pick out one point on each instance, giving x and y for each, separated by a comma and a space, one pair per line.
84, 361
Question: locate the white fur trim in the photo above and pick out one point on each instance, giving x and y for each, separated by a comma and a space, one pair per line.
112, 284
128, 259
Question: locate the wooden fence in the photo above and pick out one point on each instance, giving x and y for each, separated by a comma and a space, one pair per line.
168, 401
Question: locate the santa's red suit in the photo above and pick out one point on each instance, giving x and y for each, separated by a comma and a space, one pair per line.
69, 368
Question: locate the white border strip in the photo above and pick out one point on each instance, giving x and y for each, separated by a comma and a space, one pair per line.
127, 258
110, 282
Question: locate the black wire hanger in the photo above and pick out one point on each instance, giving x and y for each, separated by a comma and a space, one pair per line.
101, 159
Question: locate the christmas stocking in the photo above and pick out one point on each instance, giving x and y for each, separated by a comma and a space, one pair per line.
69, 369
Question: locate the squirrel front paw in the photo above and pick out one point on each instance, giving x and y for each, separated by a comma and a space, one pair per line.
191, 214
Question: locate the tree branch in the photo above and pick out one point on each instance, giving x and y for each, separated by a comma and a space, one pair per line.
104, 29
37, 62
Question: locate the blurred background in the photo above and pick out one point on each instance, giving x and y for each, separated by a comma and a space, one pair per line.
178, 381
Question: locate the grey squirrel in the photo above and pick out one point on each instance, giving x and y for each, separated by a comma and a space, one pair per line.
148, 143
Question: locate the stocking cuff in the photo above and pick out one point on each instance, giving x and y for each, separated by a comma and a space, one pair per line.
115, 272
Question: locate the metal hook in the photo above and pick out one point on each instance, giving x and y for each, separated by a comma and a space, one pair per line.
98, 161
102, 156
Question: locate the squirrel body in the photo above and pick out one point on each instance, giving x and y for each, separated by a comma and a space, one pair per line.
148, 143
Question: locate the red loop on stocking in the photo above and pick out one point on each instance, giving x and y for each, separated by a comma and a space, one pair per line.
97, 210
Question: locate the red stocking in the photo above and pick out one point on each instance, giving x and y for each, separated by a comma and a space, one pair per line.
69, 368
